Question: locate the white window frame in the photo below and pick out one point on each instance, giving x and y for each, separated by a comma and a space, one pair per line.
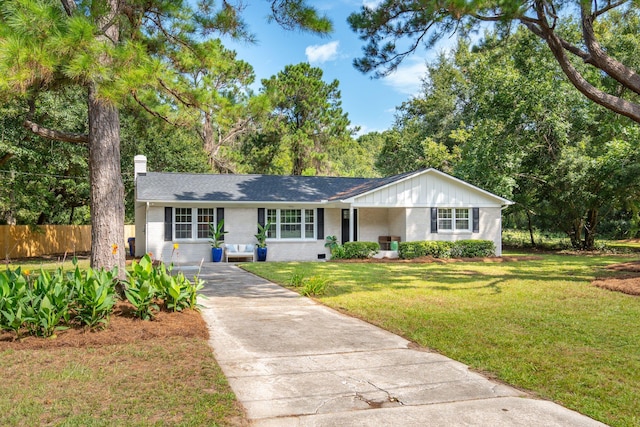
211, 214
177, 230
456, 215
194, 223
276, 227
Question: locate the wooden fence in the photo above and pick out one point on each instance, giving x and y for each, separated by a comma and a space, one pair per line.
25, 241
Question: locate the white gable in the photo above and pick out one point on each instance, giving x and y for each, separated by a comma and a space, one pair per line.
429, 188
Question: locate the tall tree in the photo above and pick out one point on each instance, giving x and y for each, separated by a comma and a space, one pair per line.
306, 118
109, 48
396, 28
57, 190
207, 89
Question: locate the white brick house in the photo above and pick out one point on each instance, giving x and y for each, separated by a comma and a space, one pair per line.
423, 205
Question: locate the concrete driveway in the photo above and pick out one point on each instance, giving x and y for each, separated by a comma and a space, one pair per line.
294, 362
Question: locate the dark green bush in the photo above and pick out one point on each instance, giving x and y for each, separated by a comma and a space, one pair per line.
435, 248
351, 250
446, 249
473, 249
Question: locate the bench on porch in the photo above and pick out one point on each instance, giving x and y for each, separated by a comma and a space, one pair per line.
237, 251
385, 242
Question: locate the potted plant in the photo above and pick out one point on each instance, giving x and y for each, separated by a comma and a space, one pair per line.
263, 233
216, 234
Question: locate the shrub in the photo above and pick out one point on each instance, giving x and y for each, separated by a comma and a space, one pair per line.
338, 252
446, 249
473, 248
360, 250
436, 249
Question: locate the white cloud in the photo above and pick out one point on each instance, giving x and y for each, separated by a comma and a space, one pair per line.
371, 4
322, 53
407, 78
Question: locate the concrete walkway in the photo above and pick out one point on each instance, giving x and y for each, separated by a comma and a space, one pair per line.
293, 362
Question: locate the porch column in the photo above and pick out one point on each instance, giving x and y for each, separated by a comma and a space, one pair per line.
351, 223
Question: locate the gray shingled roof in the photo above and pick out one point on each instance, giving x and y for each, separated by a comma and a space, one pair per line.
177, 187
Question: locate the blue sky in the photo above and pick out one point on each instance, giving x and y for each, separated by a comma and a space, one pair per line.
370, 103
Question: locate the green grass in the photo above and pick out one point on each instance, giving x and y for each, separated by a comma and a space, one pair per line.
164, 381
46, 264
538, 325
150, 382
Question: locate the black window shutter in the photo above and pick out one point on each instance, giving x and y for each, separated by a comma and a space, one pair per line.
261, 217
355, 225
320, 215
168, 224
220, 217
434, 220
476, 220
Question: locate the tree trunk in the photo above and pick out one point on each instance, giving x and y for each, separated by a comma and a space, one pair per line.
107, 189
575, 234
533, 241
590, 230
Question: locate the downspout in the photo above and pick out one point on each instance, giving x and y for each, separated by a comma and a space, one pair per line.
146, 226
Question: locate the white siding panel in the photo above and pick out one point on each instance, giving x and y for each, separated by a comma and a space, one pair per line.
428, 189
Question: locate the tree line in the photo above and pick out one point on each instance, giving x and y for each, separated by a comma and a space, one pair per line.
85, 85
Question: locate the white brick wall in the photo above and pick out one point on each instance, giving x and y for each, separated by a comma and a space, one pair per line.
410, 224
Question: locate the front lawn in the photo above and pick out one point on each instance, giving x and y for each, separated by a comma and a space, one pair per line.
538, 324
133, 372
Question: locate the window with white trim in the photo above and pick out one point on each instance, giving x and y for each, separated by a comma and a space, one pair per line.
205, 217
183, 223
193, 223
454, 219
292, 223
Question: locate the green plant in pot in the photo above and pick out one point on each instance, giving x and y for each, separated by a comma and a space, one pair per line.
216, 236
263, 233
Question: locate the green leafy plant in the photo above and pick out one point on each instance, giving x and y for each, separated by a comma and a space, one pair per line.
13, 300
141, 294
356, 250
49, 300
140, 290
216, 233
148, 284
193, 293
338, 252
314, 286
297, 279
175, 291
95, 295
263, 233
331, 242
446, 249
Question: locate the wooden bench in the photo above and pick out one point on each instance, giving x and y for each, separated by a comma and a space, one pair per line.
385, 242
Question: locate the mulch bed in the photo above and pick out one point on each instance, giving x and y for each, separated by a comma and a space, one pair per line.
627, 281
123, 328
